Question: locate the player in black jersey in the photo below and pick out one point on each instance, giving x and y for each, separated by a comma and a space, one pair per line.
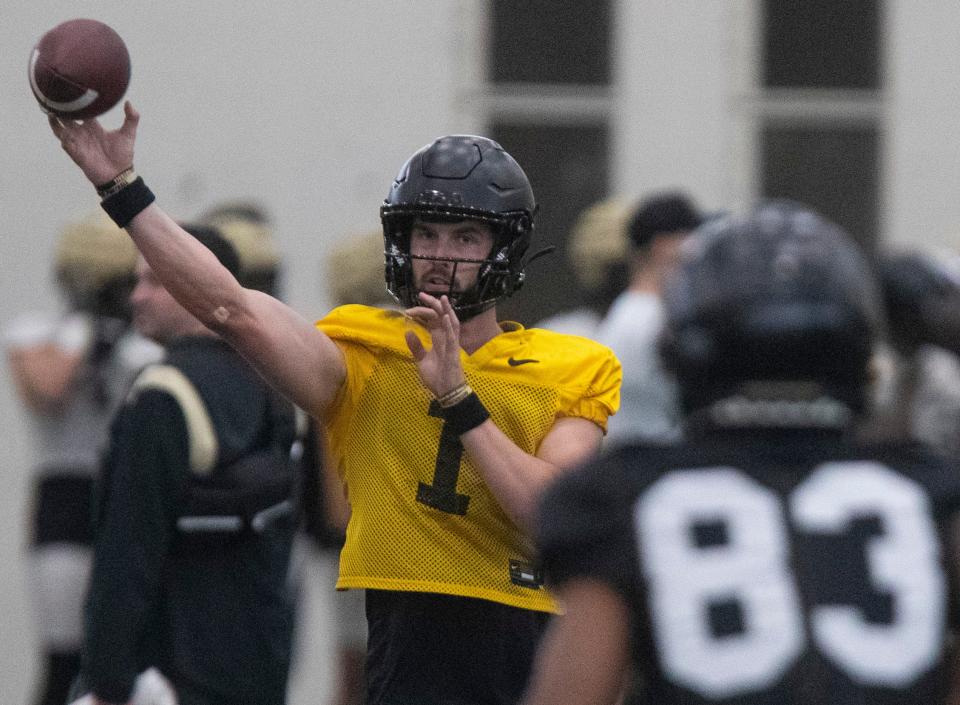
769, 558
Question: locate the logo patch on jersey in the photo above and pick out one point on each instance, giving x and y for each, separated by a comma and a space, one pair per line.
513, 362
526, 574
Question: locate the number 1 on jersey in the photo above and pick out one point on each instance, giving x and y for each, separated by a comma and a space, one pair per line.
442, 494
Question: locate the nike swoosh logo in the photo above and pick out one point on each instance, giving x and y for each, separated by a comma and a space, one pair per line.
523, 361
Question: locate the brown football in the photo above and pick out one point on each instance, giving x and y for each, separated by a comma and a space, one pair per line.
79, 69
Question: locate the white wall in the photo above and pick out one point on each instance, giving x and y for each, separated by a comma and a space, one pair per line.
678, 71
922, 162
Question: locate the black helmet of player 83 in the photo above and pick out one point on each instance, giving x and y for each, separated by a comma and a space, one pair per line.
455, 178
781, 301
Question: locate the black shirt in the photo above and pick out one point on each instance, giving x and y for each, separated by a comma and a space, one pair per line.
217, 621
767, 567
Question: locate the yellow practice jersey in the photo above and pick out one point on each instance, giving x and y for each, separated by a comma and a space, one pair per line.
422, 518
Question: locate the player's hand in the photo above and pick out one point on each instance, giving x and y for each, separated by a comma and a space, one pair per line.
440, 367
99, 153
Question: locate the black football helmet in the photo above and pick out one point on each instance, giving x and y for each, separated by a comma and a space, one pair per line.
777, 306
460, 177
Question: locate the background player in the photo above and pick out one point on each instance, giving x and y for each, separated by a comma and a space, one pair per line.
767, 559
70, 371
597, 253
357, 261
248, 228
649, 404
921, 400
194, 520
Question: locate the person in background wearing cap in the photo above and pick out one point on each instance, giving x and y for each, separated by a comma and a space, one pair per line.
194, 522
597, 251
247, 227
70, 371
649, 405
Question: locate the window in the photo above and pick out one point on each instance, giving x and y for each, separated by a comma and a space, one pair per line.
542, 41
821, 44
567, 166
819, 120
547, 101
834, 168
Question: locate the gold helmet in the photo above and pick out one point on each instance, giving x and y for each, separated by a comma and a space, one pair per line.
94, 264
355, 267
598, 240
247, 228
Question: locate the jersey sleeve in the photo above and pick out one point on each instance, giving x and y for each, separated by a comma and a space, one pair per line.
359, 333
594, 391
585, 529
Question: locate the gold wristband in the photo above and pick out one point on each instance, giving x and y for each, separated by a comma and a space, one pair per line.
117, 183
455, 395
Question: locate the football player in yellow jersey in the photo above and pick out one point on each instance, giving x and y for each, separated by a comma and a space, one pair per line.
446, 423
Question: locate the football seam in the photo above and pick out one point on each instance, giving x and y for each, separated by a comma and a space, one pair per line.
85, 100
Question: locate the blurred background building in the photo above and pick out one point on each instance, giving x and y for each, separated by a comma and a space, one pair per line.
310, 107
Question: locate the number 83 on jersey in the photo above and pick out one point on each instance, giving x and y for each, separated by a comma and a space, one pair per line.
748, 574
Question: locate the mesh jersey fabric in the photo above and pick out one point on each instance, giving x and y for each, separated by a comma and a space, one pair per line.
386, 444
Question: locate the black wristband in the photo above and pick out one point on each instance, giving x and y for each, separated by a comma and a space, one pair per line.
465, 415
125, 204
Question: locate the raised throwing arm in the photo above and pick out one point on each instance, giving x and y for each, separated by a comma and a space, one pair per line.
295, 357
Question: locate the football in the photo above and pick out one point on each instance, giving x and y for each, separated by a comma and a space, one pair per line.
79, 69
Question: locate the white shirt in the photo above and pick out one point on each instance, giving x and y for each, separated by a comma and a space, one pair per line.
578, 321
73, 439
649, 398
